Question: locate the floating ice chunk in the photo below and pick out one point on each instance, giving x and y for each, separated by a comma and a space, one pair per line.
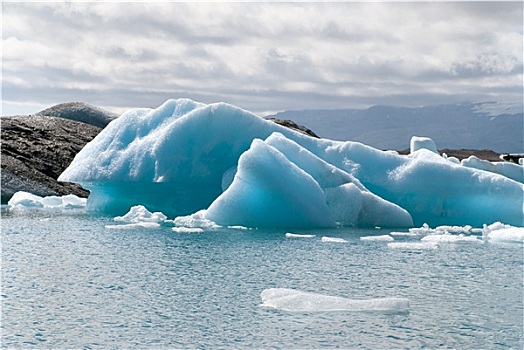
503, 233
188, 229
406, 234
449, 238
139, 213
453, 229
296, 235
424, 230
418, 143
510, 170
333, 240
147, 225
23, 199
238, 227
195, 220
383, 238
298, 301
413, 245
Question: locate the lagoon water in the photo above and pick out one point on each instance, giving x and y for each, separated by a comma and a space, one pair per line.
69, 282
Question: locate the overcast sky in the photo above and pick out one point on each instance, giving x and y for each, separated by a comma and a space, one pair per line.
263, 57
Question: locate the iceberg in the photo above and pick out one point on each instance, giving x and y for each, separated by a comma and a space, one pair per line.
218, 164
298, 301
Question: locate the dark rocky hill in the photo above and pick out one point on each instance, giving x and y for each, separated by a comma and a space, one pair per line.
35, 150
81, 112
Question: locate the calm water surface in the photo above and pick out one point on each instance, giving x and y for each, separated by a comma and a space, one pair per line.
68, 282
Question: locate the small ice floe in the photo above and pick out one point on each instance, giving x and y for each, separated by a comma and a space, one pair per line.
452, 229
439, 230
238, 227
413, 245
298, 301
147, 225
297, 235
188, 229
383, 238
333, 240
138, 217
197, 219
424, 230
408, 234
139, 213
499, 232
449, 238
23, 199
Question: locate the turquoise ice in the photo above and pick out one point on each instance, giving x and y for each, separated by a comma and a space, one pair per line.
238, 169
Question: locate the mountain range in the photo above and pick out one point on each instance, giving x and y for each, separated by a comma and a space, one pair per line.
483, 125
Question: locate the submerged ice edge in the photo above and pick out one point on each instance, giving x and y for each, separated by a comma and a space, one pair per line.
292, 300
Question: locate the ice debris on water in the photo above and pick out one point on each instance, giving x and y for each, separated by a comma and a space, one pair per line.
297, 235
188, 229
291, 300
139, 213
23, 199
143, 224
499, 232
333, 240
383, 238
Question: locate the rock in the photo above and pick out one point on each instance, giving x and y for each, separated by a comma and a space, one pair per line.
484, 154
36, 150
292, 125
81, 112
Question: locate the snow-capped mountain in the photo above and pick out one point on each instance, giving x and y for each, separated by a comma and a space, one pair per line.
466, 125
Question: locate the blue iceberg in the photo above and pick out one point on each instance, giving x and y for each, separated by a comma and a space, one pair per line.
236, 168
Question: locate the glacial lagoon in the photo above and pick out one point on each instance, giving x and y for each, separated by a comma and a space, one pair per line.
71, 280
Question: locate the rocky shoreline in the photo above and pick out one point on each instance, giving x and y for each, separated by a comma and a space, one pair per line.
36, 149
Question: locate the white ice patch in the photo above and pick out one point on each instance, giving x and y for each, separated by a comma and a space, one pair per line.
188, 229
333, 240
384, 238
297, 235
298, 301
498, 232
147, 225
510, 170
195, 220
139, 213
418, 143
23, 199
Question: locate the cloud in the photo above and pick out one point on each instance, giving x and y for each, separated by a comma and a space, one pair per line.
261, 56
